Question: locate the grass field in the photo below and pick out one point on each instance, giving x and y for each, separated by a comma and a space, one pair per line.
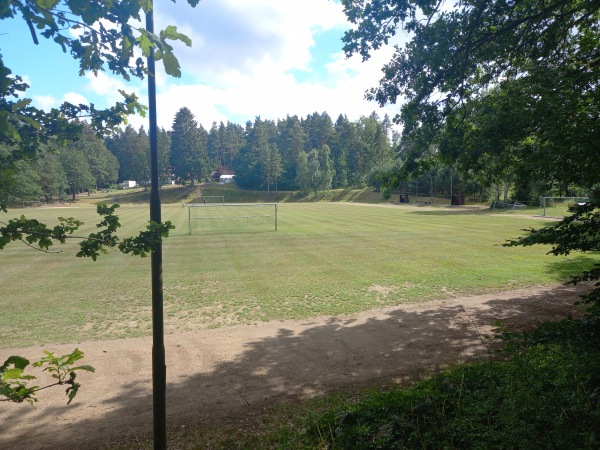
326, 259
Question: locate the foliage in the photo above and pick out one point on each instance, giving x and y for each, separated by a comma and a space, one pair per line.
107, 39
53, 180
19, 182
132, 150
503, 89
26, 131
13, 380
500, 86
314, 170
77, 171
189, 153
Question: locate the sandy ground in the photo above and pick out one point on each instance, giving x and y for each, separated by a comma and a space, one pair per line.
216, 375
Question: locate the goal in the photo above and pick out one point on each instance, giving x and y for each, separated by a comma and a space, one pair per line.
559, 206
205, 218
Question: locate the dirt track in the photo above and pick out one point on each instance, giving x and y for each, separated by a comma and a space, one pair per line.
214, 375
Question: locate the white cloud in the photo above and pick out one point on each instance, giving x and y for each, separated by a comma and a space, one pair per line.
47, 102
241, 36
243, 57
75, 98
252, 58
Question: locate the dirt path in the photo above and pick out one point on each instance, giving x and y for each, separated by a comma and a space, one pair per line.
214, 375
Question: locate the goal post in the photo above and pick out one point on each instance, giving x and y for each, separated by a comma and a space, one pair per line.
559, 206
204, 218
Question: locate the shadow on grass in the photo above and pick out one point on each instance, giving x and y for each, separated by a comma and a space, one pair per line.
279, 366
565, 268
452, 210
176, 194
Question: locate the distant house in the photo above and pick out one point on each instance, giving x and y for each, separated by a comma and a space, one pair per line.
226, 178
129, 184
217, 175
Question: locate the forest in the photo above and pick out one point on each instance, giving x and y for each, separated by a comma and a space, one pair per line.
310, 154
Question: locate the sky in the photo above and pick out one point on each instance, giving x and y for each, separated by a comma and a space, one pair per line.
249, 58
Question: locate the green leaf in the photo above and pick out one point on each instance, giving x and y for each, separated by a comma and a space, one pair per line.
72, 392
145, 44
76, 355
171, 33
84, 367
12, 374
171, 64
18, 361
47, 4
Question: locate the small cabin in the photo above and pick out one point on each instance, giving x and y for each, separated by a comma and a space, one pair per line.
226, 178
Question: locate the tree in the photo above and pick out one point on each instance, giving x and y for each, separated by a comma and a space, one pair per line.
253, 167
531, 62
97, 48
131, 148
314, 170
271, 165
24, 130
164, 154
21, 183
77, 171
290, 141
189, 153
103, 165
326, 168
52, 178
340, 148
233, 142
302, 174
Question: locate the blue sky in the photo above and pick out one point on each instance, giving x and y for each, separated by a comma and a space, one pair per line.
249, 58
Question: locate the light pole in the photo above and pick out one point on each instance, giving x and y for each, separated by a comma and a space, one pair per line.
159, 368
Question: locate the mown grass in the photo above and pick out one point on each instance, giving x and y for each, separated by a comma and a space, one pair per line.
326, 259
234, 194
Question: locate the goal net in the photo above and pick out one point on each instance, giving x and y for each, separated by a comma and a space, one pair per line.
559, 206
205, 218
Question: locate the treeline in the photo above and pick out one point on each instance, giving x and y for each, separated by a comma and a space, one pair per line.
310, 154
63, 171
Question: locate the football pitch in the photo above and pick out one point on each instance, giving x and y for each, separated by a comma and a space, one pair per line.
325, 259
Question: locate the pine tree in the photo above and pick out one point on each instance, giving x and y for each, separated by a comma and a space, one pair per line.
189, 155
